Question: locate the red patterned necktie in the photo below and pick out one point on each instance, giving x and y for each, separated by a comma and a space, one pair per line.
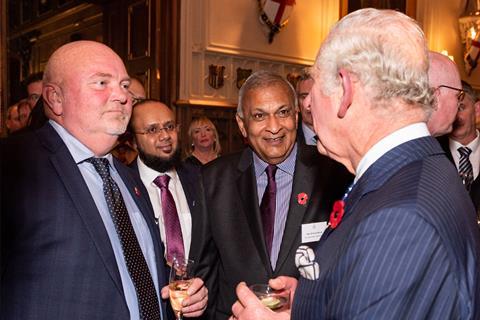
267, 207
134, 259
173, 230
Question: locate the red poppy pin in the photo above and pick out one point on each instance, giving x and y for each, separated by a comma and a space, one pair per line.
137, 192
337, 213
302, 198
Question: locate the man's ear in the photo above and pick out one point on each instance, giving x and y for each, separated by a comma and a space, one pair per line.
241, 125
347, 96
476, 107
436, 94
52, 94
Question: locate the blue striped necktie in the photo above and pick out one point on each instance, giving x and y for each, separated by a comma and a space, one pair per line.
465, 168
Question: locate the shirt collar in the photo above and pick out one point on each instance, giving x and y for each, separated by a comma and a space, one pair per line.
307, 132
149, 174
473, 145
396, 138
287, 166
78, 150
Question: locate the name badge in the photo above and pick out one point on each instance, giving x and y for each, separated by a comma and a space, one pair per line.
312, 232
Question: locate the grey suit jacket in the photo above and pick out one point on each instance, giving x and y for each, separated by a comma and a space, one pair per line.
57, 260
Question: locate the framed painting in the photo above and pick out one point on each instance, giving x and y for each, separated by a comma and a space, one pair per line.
406, 6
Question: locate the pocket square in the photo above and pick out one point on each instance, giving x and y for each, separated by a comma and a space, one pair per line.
306, 264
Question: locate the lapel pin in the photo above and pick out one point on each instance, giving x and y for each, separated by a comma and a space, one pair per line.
302, 198
337, 214
306, 264
137, 192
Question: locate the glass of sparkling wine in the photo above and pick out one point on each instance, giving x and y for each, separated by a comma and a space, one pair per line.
181, 275
275, 300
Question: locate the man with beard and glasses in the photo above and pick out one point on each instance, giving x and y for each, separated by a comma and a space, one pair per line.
171, 184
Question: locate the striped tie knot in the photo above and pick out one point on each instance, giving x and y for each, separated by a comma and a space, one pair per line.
465, 169
464, 151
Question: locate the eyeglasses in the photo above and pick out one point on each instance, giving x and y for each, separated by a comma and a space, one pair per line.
156, 129
460, 95
136, 100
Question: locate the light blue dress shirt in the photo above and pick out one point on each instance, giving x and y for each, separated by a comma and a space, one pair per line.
284, 181
80, 153
309, 135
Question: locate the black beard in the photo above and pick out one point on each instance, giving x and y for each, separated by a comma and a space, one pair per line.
160, 164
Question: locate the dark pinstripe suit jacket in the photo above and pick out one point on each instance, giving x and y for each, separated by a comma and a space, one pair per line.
57, 261
408, 246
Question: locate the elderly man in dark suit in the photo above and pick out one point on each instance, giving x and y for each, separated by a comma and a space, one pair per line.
79, 239
405, 244
263, 202
462, 145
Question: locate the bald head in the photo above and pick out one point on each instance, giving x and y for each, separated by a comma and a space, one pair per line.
443, 72
73, 56
147, 108
85, 87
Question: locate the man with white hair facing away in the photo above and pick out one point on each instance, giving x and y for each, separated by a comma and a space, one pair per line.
405, 243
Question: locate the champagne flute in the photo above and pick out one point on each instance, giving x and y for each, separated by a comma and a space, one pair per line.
275, 300
181, 275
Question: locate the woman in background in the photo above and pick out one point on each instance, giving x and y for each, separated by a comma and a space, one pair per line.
204, 145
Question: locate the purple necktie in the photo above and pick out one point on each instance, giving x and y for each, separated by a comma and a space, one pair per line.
267, 207
173, 231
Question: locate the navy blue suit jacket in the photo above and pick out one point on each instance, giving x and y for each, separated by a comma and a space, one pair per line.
408, 246
57, 260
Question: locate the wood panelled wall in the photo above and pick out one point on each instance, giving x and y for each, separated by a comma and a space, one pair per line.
145, 33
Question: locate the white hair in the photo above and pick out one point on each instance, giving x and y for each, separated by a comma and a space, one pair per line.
385, 50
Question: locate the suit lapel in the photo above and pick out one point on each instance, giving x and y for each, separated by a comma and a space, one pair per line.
303, 182
186, 177
385, 167
140, 196
76, 187
247, 187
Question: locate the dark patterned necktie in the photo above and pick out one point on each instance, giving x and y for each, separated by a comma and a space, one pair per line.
268, 207
173, 230
134, 259
465, 167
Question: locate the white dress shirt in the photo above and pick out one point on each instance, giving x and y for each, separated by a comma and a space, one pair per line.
175, 186
396, 138
474, 156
